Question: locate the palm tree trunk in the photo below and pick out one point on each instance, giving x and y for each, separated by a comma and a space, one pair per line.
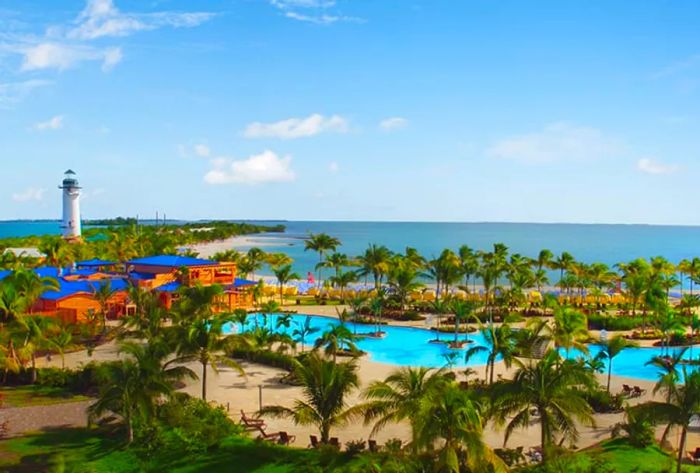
129, 429
204, 380
33, 368
681, 449
543, 433
609, 372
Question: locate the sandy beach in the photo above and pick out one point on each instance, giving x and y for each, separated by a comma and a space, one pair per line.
208, 249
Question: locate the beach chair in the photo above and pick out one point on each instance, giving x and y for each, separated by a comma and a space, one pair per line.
372, 445
314, 441
694, 457
535, 454
251, 422
638, 391
285, 438
334, 441
626, 390
265, 436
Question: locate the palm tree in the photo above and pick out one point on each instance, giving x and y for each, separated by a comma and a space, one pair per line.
303, 330
611, 348
375, 261
399, 397
325, 386
551, 388
462, 311
336, 261
277, 260
61, 341
335, 340
342, 280
668, 323
680, 408
33, 332
202, 339
403, 280
563, 263
284, 274
499, 341
102, 293
255, 259
570, 329
321, 243
132, 387
240, 316
452, 420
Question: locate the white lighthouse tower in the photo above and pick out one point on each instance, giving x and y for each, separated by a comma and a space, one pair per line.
71, 206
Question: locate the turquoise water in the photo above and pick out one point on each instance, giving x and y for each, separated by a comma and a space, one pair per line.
608, 244
404, 346
588, 243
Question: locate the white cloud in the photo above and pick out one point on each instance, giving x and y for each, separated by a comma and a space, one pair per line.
393, 123
297, 127
257, 169
112, 57
333, 167
651, 166
556, 142
101, 18
311, 11
13, 92
29, 194
53, 123
202, 150
52, 55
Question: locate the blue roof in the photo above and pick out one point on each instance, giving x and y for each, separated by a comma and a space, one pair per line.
95, 262
243, 282
69, 288
172, 261
5, 273
169, 287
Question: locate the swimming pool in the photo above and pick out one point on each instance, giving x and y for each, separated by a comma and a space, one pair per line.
407, 346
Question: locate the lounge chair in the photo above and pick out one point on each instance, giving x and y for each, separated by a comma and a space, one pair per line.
251, 422
638, 391
314, 441
334, 441
265, 436
626, 390
694, 457
372, 444
285, 438
535, 454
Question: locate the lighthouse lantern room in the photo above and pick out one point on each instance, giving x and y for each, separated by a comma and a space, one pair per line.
71, 206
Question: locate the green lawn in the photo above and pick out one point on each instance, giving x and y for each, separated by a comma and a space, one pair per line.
81, 450
617, 456
33, 395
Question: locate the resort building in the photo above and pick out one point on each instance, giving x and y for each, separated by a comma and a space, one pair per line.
78, 299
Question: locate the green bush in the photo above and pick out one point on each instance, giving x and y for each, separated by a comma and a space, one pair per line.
614, 323
186, 425
268, 358
602, 401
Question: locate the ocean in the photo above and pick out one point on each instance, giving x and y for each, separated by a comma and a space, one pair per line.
608, 244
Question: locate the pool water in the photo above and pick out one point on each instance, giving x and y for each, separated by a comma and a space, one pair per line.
407, 346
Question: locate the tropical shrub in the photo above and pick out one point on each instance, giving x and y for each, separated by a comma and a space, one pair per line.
613, 323
637, 427
186, 425
601, 401
268, 358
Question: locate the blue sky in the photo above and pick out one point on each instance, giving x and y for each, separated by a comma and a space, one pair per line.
440, 110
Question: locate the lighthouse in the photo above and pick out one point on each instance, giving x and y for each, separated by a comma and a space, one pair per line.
71, 206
